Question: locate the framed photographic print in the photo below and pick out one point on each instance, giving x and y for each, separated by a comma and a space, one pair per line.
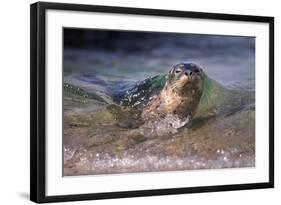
129, 102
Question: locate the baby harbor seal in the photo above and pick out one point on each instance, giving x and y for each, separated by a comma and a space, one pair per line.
180, 95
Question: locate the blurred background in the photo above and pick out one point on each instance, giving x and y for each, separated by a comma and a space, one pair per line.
134, 55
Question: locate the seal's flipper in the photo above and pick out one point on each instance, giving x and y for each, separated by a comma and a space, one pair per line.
125, 117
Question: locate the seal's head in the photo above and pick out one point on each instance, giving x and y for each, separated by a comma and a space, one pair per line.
185, 77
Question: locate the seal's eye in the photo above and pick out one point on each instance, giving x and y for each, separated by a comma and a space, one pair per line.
178, 71
195, 70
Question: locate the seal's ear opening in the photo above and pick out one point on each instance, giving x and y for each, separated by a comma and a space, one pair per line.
201, 71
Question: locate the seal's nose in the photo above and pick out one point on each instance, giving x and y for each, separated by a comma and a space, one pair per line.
188, 73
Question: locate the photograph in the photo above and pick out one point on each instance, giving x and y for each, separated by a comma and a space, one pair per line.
134, 102
146, 101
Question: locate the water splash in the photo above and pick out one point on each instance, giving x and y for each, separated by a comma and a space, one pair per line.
168, 125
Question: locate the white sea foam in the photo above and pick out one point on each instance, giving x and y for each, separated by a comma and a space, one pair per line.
130, 163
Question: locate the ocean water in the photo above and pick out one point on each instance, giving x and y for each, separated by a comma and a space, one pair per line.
94, 144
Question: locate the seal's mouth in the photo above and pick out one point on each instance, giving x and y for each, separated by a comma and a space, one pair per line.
185, 83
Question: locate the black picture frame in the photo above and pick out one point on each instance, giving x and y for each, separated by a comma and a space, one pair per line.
38, 101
